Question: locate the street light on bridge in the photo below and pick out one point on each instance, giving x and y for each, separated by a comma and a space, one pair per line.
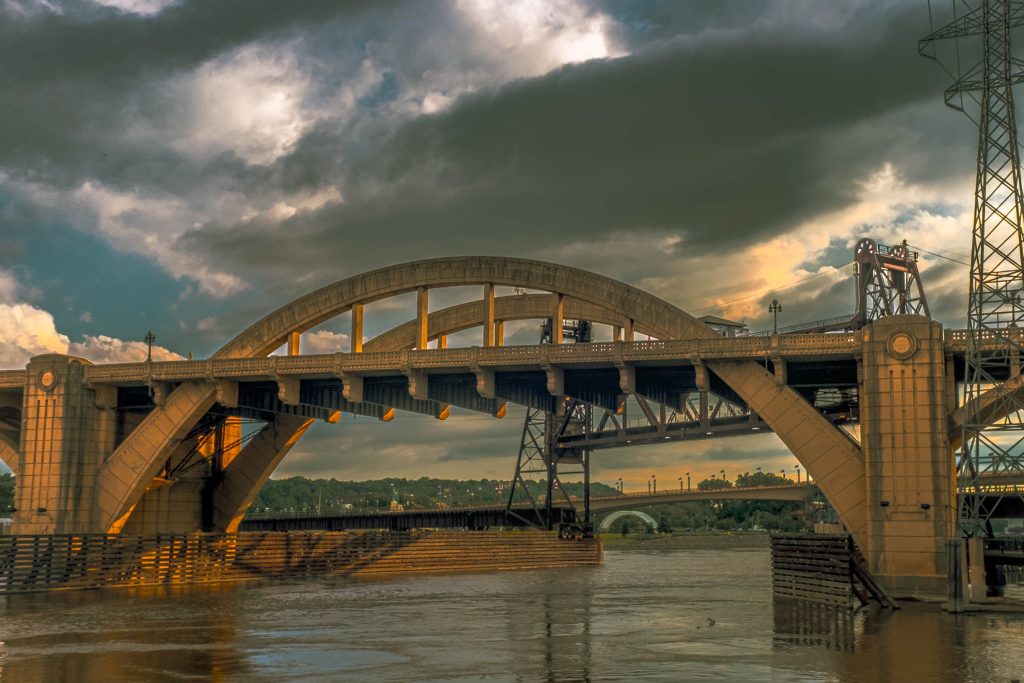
723, 474
687, 481
149, 339
797, 468
774, 309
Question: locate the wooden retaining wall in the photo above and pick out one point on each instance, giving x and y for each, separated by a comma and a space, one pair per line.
814, 567
65, 562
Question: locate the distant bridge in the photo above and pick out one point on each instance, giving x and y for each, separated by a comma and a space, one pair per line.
482, 516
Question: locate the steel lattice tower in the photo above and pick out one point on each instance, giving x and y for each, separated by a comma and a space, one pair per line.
539, 453
993, 428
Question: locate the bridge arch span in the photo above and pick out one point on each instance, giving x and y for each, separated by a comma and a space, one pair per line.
619, 514
660, 317
830, 456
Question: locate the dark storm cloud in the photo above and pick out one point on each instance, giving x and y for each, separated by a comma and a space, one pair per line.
642, 22
726, 139
74, 81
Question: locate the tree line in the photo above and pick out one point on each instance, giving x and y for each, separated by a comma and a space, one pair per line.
298, 495
323, 496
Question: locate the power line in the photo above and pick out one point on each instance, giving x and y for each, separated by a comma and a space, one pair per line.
939, 255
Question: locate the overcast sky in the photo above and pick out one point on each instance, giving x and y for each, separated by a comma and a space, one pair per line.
186, 167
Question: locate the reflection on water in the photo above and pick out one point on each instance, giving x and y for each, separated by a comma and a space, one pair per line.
661, 616
808, 624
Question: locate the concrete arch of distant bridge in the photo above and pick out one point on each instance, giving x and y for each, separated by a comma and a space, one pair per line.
619, 514
830, 456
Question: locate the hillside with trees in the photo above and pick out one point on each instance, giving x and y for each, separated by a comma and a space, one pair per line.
302, 495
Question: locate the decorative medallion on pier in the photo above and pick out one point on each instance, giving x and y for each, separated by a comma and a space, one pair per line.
902, 345
47, 379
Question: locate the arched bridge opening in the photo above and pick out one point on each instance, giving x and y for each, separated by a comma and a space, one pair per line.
613, 517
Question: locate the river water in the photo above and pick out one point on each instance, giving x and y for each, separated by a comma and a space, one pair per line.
683, 615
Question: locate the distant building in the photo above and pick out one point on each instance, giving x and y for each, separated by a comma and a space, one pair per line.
726, 328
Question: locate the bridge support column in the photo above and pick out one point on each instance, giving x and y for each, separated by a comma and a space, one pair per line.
422, 317
64, 437
907, 456
488, 315
356, 338
557, 318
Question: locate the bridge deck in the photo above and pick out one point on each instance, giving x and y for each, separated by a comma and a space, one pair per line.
831, 346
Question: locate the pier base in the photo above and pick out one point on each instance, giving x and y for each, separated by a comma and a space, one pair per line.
44, 563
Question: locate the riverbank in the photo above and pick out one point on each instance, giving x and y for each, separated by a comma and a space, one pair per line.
686, 540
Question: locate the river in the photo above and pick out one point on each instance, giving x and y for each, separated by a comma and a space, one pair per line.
682, 615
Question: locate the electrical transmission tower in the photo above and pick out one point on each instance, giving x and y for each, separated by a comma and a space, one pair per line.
993, 422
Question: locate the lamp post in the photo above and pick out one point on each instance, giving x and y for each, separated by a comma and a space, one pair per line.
654, 480
774, 309
723, 474
797, 474
149, 339
687, 481
680, 484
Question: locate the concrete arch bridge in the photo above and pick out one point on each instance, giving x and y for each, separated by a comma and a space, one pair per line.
607, 522
161, 446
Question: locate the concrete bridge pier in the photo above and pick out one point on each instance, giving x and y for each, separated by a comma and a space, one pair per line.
69, 437
908, 460
66, 430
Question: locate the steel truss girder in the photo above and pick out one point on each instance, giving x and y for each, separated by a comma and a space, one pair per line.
678, 431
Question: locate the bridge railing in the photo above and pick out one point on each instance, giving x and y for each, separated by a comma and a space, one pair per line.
839, 322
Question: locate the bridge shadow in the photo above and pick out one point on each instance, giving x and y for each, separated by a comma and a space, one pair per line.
338, 554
